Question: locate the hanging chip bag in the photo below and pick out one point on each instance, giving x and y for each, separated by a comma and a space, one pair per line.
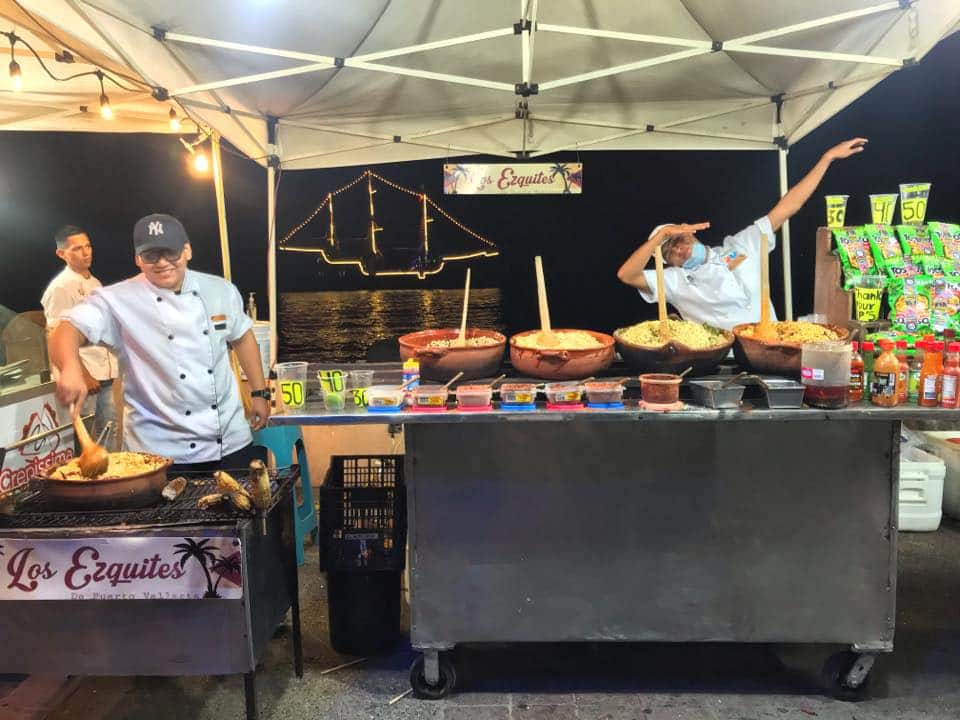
946, 239
886, 250
855, 256
915, 240
945, 300
910, 304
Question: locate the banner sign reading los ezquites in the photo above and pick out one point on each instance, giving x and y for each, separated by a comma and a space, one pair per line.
124, 568
520, 178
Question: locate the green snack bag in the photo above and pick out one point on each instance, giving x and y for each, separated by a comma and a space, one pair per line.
854, 252
910, 304
945, 302
915, 240
950, 268
884, 246
911, 266
946, 239
931, 265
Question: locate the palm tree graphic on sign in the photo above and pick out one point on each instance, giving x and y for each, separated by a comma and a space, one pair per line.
199, 551
225, 567
453, 177
563, 170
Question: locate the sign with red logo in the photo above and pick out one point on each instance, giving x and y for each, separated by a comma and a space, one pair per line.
24, 420
124, 568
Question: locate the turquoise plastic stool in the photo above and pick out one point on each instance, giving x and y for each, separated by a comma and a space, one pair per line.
283, 441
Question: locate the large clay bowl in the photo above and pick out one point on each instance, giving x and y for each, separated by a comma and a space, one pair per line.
674, 357
550, 364
106, 493
443, 363
772, 358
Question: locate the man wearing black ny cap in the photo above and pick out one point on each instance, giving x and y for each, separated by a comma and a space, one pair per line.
172, 329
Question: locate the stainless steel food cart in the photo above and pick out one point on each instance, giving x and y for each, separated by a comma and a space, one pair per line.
747, 525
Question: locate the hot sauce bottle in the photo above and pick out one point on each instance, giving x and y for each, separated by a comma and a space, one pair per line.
855, 394
931, 374
883, 389
903, 377
951, 376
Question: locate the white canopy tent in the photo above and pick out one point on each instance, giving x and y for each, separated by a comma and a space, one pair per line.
305, 84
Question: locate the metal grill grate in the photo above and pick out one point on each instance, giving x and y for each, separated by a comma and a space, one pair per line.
33, 511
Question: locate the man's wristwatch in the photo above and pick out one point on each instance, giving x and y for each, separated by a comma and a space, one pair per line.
265, 394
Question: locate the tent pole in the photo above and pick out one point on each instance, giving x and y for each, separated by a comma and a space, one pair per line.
785, 243
221, 205
272, 259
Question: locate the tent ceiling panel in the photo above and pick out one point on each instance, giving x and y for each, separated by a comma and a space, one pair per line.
604, 70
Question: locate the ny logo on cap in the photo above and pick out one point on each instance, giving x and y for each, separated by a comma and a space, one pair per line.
155, 228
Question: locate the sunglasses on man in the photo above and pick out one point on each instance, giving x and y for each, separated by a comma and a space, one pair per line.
152, 256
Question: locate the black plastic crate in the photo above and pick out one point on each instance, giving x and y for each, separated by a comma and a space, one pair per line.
363, 520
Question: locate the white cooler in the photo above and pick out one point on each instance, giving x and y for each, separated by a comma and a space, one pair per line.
938, 442
921, 490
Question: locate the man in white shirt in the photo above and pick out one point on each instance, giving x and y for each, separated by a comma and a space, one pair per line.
172, 329
720, 286
74, 283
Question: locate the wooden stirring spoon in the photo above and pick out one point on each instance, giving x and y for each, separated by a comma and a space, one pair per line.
763, 330
94, 458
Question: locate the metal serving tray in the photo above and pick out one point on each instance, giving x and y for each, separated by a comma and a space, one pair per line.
710, 394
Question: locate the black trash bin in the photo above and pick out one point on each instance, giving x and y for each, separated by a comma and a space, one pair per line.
363, 533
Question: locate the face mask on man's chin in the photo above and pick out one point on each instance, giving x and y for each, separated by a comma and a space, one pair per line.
698, 256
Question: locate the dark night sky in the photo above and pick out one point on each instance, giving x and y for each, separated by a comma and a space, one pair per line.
106, 182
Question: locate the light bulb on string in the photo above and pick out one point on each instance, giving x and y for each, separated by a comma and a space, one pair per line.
106, 112
174, 120
16, 77
201, 163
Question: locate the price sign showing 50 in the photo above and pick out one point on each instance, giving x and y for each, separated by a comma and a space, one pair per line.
292, 393
913, 202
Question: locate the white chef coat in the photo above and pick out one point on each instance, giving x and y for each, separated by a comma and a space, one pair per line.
712, 293
66, 290
180, 396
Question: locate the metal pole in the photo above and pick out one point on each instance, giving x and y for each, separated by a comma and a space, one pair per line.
785, 243
272, 259
221, 205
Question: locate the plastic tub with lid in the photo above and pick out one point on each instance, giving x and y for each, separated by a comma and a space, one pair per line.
384, 398
427, 398
604, 393
660, 388
564, 394
474, 396
518, 396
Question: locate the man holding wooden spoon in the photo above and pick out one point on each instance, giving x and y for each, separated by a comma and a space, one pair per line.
720, 286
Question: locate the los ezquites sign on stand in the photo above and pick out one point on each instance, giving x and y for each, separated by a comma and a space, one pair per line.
513, 179
122, 568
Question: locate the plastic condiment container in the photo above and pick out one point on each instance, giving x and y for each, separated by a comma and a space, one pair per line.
411, 371
855, 393
474, 395
825, 373
884, 383
660, 388
951, 376
931, 374
518, 394
604, 393
384, 397
564, 393
430, 396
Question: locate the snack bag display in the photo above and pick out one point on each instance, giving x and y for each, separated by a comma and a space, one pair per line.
931, 265
915, 240
855, 256
886, 249
946, 239
912, 266
945, 302
910, 304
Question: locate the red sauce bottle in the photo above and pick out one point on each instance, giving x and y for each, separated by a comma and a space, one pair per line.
855, 394
903, 377
931, 374
951, 376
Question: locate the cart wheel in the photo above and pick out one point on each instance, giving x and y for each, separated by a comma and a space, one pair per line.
422, 689
846, 675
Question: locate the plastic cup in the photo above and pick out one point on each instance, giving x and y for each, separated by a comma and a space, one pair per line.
913, 202
825, 373
882, 207
292, 382
867, 297
360, 380
836, 210
334, 384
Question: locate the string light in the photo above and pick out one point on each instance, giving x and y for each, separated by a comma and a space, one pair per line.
421, 197
16, 77
106, 112
174, 120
